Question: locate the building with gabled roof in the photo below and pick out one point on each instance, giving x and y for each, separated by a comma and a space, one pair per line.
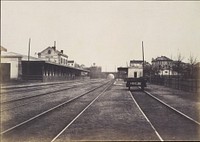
51, 54
162, 62
11, 64
163, 66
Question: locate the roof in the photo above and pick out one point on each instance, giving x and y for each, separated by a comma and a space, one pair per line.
70, 61
3, 49
136, 61
52, 63
54, 48
10, 55
122, 68
25, 58
17, 55
162, 58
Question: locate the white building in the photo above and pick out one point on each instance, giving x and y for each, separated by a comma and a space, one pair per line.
11, 62
136, 63
52, 55
136, 69
167, 72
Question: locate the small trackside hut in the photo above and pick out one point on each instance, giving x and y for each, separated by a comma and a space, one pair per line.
136, 74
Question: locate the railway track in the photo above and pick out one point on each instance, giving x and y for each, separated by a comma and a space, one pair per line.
27, 100
19, 109
30, 87
167, 122
36, 87
46, 91
65, 110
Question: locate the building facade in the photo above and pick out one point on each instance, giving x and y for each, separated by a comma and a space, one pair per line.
71, 63
95, 71
136, 69
163, 66
136, 63
11, 65
51, 54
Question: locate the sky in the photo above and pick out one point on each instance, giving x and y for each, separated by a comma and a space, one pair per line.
109, 34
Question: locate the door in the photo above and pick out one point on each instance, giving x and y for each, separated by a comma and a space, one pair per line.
5, 72
135, 74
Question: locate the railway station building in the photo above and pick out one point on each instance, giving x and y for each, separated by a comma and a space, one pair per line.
51, 54
50, 66
48, 71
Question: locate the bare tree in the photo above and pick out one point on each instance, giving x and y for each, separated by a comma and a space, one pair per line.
180, 57
178, 66
192, 61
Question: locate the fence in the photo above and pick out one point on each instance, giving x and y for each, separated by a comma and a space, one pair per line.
190, 85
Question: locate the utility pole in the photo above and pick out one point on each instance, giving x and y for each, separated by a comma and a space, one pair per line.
29, 46
143, 57
54, 43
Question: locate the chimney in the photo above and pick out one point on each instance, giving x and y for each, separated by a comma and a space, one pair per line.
61, 51
54, 48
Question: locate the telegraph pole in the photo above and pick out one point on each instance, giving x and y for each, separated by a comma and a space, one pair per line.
29, 46
143, 57
54, 43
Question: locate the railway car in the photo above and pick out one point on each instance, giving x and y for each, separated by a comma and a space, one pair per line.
135, 75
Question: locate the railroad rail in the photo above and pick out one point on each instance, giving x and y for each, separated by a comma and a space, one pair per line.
79, 114
61, 105
8, 105
49, 92
154, 109
13, 88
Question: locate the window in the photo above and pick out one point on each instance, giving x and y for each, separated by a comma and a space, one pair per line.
49, 51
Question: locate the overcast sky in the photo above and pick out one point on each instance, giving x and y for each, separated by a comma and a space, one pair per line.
106, 33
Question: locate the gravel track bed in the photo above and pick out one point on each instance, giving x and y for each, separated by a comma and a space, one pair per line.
20, 114
114, 116
40, 90
170, 125
46, 127
185, 102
